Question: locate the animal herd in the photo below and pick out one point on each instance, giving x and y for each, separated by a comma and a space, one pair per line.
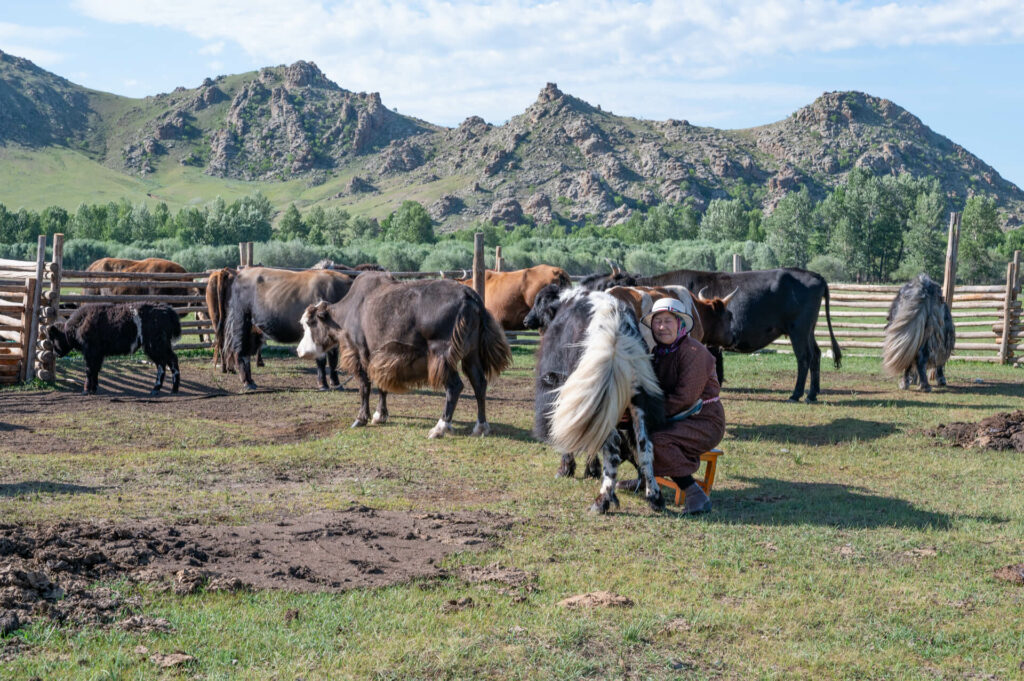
593, 364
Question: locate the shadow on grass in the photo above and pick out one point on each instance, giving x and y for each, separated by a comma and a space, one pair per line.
10, 427
840, 430
779, 502
924, 402
43, 487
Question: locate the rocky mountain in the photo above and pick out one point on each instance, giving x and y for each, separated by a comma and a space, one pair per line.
562, 158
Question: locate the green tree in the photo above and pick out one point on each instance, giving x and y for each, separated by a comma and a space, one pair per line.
291, 225
725, 220
925, 238
410, 223
979, 236
790, 227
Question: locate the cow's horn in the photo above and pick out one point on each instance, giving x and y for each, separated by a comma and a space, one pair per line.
615, 270
700, 295
726, 300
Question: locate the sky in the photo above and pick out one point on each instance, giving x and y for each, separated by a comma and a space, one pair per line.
956, 64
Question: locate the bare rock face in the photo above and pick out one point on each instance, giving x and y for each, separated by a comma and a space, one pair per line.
400, 156
538, 207
445, 206
507, 211
139, 156
223, 149
304, 74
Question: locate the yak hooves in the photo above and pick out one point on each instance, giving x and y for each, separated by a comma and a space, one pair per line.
378, 418
925, 388
482, 429
322, 389
154, 393
248, 387
656, 503
812, 399
439, 431
358, 423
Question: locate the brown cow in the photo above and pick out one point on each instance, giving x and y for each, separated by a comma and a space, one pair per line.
641, 298
509, 296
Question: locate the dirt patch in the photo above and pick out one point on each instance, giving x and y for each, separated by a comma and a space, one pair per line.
596, 599
1011, 573
47, 571
1002, 431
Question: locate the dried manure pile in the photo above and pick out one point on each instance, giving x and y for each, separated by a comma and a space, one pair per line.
1002, 431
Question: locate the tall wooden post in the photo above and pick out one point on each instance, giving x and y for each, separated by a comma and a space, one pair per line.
33, 329
497, 258
241, 254
27, 355
51, 312
737, 263
952, 249
478, 264
1011, 284
248, 254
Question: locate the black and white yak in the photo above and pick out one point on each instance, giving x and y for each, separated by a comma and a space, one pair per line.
919, 334
593, 367
403, 334
103, 330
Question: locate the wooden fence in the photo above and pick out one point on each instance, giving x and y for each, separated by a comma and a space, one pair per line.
21, 315
987, 319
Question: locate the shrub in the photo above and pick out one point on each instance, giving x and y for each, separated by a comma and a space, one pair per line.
830, 267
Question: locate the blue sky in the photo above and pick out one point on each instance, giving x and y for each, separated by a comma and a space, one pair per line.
956, 64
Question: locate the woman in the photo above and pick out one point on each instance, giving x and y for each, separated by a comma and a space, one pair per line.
695, 418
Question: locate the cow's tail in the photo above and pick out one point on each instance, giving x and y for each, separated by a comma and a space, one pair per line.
837, 354
612, 367
237, 328
495, 352
218, 294
905, 332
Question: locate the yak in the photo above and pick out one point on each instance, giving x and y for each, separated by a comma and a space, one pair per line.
919, 334
592, 367
403, 334
100, 330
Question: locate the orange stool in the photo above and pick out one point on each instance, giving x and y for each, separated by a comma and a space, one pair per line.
710, 460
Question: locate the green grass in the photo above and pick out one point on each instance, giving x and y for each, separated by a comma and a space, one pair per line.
805, 569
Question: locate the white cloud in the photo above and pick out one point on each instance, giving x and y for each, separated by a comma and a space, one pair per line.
212, 49
439, 58
35, 43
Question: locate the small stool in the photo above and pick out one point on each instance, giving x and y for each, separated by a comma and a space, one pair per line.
710, 460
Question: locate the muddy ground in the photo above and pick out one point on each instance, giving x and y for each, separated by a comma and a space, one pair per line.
50, 570
1002, 431
46, 571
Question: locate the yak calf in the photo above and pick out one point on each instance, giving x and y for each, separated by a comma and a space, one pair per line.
102, 330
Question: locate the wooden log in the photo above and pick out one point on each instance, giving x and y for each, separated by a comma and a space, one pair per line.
83, 298
194, 346
134, 283
855, 325
876, 288
44, 357
46, 375
157, 276
497, 258
1004, 342
478, 264
248, 253
959, 297
37, 289
11, 371
19, 265
952, 249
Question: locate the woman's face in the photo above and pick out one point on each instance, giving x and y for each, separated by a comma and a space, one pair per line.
665, 327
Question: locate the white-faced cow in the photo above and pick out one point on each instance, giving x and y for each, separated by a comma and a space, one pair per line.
760, 306
400, 335
592, 368
267, 302
102, 330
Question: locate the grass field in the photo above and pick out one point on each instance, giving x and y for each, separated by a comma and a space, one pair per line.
844, 543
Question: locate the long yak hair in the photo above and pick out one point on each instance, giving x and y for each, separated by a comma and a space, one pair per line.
919, 323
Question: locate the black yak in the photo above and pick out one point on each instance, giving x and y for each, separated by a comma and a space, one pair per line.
400, 335
593, 367
919, 334
102, 330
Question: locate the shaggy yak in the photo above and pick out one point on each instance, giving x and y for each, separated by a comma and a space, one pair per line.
592, 368
919, 334
102, 330
400, 335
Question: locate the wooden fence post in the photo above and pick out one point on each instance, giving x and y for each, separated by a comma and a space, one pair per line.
497, 258
26, 330
48, 372
952, 250
478, 264
1004, 344
737, 263
33, 329
241, 254
248, 254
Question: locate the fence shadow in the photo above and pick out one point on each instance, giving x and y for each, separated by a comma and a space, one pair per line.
779, 502
902, 403
44, 487
840, 430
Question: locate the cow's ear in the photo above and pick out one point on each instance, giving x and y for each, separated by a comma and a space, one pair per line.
321, 310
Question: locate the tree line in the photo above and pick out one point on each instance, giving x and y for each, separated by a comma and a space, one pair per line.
870, 228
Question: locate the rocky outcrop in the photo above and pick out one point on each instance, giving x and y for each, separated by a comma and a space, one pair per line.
507, 211
445, 206
358, 185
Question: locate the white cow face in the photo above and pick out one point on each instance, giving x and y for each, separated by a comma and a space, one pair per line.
317, 336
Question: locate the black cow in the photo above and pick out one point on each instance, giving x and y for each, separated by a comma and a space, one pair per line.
399, 335
592, 367
762, 305
104, 329
270, 302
